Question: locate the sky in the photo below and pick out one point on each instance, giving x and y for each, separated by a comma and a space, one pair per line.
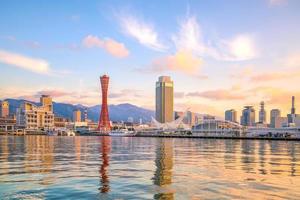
220, 54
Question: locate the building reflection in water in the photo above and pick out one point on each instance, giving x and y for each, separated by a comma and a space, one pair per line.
104, 176
164, 167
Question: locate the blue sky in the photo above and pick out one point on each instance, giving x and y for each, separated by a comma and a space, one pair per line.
220, 54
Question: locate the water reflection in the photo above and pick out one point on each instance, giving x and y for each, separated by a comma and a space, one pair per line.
104, 177
164, 167
38, 167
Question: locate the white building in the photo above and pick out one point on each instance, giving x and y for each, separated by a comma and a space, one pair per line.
36, 117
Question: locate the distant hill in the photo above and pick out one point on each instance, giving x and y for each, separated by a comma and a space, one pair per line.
119, 112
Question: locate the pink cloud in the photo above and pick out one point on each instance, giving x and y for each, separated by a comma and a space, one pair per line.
183, 61
111, 46
220, 94
275, 76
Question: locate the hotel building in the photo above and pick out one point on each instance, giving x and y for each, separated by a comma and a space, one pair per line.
164, 100
36, 117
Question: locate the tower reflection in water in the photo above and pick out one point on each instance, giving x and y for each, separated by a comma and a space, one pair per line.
104, 177
164, 167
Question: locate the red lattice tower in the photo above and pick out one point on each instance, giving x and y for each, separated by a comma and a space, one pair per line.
104, 124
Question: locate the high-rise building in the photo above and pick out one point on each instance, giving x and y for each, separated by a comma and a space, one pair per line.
248, 116
104, 123
293, 110
164, 100
230, 115
31, 116
262, 113
4, 109
77, 115
292, 115
275, 113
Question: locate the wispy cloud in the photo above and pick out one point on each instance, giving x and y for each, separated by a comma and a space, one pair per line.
25, 62
143, 32
190, 37
111, 46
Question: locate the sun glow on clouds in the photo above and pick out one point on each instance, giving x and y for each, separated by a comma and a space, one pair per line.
183, 61
33, 64
190, 37
111, 46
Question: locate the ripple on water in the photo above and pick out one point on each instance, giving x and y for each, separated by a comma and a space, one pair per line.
39, 167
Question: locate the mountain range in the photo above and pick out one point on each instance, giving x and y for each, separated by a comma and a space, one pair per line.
120, 112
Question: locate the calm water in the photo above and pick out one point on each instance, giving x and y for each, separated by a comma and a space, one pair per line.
40, 167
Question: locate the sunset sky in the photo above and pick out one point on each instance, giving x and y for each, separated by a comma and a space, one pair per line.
220, 54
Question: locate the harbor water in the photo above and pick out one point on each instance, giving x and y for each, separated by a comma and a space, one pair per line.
101, 167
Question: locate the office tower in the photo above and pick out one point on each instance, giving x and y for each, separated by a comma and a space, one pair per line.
275, 113
248, 116
293, 110
164, 99
31, 116
104, 123
4, 109
230, 115
292, 115
262, 113
77, 115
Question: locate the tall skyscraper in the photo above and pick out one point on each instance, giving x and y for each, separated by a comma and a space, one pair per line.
248, 116
230, 115
4, 109
262, 113
275, 113
292, 115
77, 115
293, 110
104, 123
164, 99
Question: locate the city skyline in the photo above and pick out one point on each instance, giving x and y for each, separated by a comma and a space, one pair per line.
217, 63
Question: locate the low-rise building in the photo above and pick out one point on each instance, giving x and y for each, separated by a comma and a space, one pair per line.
36, 117
281, 122
7, 124
60, 122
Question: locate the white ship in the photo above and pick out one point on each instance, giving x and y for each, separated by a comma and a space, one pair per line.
122, 132
61, 132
